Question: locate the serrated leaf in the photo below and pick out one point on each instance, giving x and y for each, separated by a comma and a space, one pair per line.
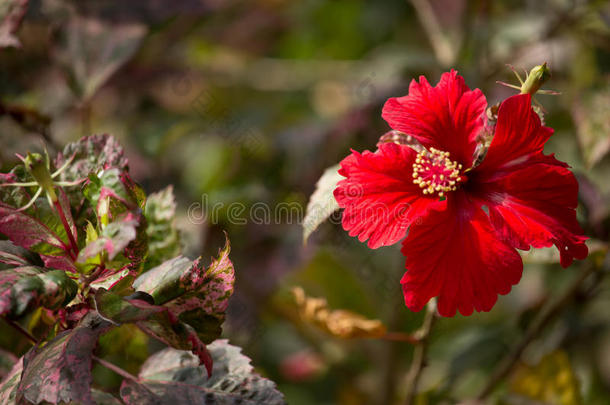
551, 381
163, 237
60, 371
338, 322
92, 51
109, 184
24, 288
174, 333
8, 387
118, 199
91, 155
322, 202
113, 240
593, 124
11, 14
233, 380
195, 294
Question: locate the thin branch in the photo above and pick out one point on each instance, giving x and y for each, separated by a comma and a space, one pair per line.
443, 49
419, 354
400, 337
118, 370
20, 329
534, 329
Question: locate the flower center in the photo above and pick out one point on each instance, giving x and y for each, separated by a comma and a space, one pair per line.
434, 172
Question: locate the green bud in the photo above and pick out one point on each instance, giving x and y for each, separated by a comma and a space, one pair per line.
536, 78
37, 166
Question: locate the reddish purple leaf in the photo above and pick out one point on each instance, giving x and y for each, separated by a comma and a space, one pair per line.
60, 371
40, 229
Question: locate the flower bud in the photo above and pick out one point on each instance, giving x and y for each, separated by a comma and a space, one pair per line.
536, 78
36, 165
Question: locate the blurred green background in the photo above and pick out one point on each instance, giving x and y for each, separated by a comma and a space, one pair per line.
249, 101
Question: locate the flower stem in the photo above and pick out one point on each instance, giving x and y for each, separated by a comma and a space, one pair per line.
419, 354
64, 221
118, 370
537, 325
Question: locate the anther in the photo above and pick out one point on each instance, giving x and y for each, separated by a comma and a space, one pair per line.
434, 172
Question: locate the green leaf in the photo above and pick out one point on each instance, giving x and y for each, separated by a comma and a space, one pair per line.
322, 202
171, 377
24, 288
112, 281
109, 184
195, 294
113, 240
60, 371
11, 14
118, 199
163, 237
92, 51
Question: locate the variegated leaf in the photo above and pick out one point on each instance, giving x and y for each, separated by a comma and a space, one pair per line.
60, 371
171, 377
195, 294
24, 288
163, 237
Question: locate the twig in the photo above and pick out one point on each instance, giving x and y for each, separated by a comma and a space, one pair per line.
20, 329
116, 369
400, 337
537, 325
445, 52
419, 354
102, 362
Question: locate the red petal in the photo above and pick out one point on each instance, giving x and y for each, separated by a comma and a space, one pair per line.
455, 255
519, 137
535, 206
447, 117
378, 194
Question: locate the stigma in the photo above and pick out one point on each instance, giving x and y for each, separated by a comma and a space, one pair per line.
435, 173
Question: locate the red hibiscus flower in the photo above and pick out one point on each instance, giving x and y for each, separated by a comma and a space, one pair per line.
464, 217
